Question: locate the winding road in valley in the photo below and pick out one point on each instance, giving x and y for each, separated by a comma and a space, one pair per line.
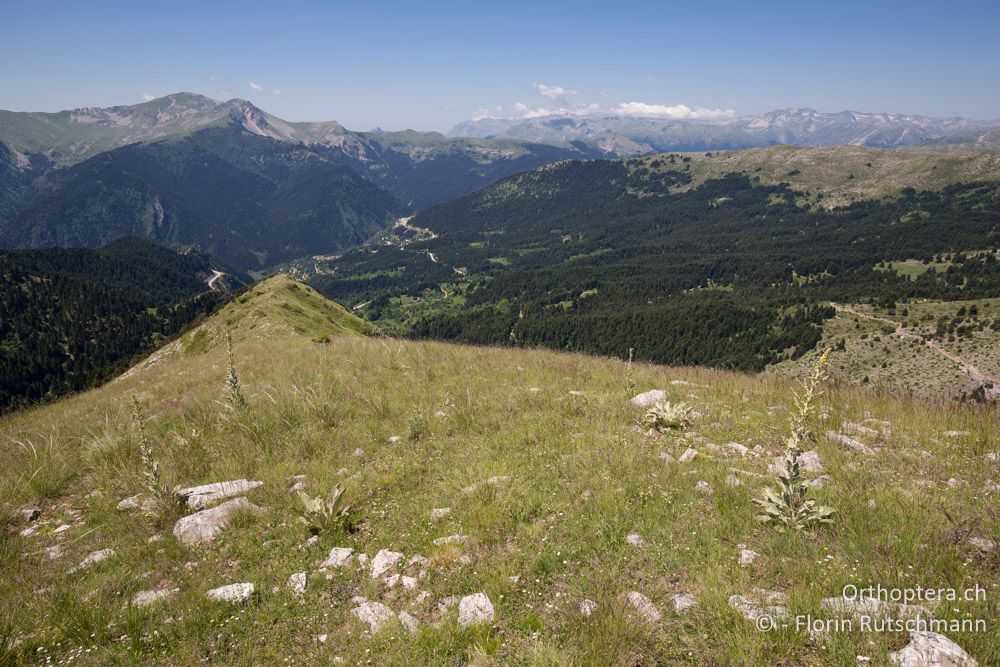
903, 332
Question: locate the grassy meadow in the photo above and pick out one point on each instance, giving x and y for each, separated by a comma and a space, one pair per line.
408, 427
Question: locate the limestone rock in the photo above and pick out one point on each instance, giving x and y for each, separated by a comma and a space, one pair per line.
375, 614
751, 610
748, 556
451, 539
92, 559
684, 601
688, 455
202, 527
649, 398
200, 497
703, 486
232, 593
384, 561
930, 649
588, 607
475, 608
297, 583
409, 622
339, 557
635, 539
440, 513
643, 606
146, 598
850, 442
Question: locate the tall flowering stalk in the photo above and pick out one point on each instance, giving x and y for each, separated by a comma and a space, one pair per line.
786, 505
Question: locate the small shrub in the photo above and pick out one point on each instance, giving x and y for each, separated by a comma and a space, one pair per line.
666, 415
328, 514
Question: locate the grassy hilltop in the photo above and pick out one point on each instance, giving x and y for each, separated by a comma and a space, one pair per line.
537, 456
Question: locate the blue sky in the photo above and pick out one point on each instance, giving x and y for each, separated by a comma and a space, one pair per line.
429, 65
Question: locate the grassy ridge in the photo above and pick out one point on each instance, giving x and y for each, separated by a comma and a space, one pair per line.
580, 479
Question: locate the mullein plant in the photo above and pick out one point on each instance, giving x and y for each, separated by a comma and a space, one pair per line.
786, 506
163, 495
236, 402
630, 385
666, 415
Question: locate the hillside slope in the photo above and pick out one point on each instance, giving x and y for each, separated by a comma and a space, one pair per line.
719, 259
71, 318
555, 502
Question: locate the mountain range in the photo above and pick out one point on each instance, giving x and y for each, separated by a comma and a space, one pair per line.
257, 191
634, 135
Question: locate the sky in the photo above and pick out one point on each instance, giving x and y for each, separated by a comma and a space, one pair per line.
429, 65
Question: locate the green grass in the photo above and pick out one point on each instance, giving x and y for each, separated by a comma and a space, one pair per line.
843, 174
581, 479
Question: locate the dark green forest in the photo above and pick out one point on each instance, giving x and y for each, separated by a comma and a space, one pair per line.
72, 318
601, 256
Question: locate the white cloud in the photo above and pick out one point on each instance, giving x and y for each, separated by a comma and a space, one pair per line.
210, 77
146, 97
276, 92
674, 111
256, 87
552, 92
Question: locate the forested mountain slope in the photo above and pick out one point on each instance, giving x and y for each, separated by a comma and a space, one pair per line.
72, 318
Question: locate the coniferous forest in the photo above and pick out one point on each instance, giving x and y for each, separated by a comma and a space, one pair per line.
72, 318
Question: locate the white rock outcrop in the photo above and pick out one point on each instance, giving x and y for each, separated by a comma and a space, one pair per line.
232, 593
202, 527
200, 497
474, 609
930, 649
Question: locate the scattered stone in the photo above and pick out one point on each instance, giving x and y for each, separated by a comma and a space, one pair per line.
321, 638
748, 556
858, 429
451, 539
408, 582
339, 557
375, 614
440, 513
635, 540
982, 544
681, 383
991, 456
363, 560
447, 603
957, 434
953, 482
642, 604
576, 392
409, 622
384, 561
930, 649
131, 503
493, 481
29, 531
688, 455
146, 598
703, 486
819, 482
740, 449
809, 461
751, 610
232, 593
91, 560
873, 607
297, 583
473, 609
203, 526
848, 441
423, 597
733, 481
54, 552
871, 503
394, 439
391, 581
440, 414
62, 529
683, 602
361, 452
298, 486
200, 497
27, 514
588, 607
667, 458
649, 398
